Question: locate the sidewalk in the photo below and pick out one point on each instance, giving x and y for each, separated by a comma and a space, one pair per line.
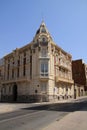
9, 107
73, 121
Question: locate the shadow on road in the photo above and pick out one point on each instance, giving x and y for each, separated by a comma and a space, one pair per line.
65, 107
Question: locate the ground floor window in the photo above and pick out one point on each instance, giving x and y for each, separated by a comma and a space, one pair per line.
4, 90
10, 89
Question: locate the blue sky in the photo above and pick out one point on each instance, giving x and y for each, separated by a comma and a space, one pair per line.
66, 21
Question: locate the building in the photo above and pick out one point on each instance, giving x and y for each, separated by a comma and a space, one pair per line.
1, 74
39, 71
79, 74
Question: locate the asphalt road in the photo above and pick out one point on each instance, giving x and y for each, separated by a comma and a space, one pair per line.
36, 118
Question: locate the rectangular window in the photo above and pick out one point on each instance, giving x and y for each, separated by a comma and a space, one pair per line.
31, 67
44, 53
18, 72
18, 68
4, 90
9, 89
24, 67
24, 71
12, 73
44, 69
18, 62
8, 71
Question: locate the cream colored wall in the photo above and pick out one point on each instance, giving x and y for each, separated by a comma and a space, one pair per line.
51, 86
51, 67
23, 88
35, 64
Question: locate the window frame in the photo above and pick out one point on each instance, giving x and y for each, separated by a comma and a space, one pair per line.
44, 69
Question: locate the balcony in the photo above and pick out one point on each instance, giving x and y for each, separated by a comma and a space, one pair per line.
45, 56
64, 80
20, 79
63, 66
44, 76
44, 43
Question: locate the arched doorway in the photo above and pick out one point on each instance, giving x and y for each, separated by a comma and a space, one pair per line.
15, 92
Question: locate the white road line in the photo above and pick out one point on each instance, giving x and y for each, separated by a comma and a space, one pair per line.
5, 120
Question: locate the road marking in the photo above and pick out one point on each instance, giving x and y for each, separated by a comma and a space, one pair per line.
5, 120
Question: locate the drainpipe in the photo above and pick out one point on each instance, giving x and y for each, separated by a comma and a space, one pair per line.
74, 91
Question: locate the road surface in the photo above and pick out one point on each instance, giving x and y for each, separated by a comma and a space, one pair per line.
38, 117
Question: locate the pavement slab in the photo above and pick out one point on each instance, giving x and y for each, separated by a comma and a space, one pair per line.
73, 121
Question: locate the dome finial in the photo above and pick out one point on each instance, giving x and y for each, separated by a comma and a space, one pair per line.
42, 15
43, 23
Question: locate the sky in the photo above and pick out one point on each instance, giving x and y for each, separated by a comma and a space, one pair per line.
66, 21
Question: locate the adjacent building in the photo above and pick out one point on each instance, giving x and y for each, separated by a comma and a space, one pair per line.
85, 78
79, 72
39, 71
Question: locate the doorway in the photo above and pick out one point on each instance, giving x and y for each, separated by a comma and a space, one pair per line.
15, 92
81, 92
74, 93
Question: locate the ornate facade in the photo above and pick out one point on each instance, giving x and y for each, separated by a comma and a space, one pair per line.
39, 71
1, 74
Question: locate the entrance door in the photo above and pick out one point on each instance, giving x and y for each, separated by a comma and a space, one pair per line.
74, 93
15, 92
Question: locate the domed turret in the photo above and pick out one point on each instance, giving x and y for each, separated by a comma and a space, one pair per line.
42, 36
42, 29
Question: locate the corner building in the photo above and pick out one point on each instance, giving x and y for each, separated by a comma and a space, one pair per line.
40, 71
